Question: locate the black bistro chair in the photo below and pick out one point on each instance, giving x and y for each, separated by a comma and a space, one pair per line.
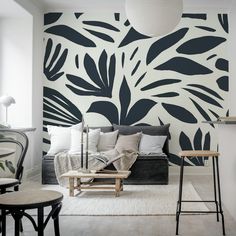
16, 140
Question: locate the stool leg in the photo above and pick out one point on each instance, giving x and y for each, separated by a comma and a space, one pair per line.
17, 215
215, 194
179, 203
219, 193
40, 221
55, 218
3, 223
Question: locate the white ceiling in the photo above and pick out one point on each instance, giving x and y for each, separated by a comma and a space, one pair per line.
9, 8
119, 4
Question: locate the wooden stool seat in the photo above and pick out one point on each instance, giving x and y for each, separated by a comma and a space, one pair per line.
198, 153
16, 203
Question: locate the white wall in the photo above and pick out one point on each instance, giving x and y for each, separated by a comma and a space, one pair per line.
16, 69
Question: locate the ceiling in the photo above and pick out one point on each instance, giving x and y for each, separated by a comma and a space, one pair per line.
119, 4
9, 8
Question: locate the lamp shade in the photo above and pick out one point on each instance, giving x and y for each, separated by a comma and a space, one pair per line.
6, 101
154, 17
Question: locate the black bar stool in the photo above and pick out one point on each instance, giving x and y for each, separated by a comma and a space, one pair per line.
216, 179
16, 203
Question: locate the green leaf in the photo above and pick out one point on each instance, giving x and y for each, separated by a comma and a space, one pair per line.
2, 166
10, 166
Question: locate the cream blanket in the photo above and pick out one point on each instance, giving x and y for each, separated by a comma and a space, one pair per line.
65, 162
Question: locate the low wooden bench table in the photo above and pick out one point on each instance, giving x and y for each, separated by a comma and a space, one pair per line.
75, 181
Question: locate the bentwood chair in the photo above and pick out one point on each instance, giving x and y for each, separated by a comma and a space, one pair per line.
20, 141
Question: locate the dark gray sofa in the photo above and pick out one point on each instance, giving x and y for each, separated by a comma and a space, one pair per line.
148, 169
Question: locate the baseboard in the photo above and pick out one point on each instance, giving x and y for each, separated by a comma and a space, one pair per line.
191, 170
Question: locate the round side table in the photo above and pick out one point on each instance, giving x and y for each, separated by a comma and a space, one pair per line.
16, 203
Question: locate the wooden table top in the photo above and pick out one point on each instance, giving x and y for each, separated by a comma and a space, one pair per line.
118, 174
30, 199
4, 152
198, 153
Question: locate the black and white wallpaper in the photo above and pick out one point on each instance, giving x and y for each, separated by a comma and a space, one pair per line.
97, 65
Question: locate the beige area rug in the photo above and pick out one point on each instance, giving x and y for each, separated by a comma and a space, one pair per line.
135, 200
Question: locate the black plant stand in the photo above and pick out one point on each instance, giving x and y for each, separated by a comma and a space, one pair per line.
17, 202
216, 179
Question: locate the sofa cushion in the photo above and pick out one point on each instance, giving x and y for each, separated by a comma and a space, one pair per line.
107, 141
150, 130
128, 142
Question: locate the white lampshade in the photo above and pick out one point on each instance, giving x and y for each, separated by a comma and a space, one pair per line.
154, 17
6, 101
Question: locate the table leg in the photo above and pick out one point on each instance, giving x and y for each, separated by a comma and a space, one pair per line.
117, 187
79, 184
40, 221
71, 187
3, 222
122, 185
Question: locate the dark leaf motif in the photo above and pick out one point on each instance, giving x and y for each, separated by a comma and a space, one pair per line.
131, 37
197, 141
223, 83
50, 18
166, 95
127, 117
117, 16
134, 53
158, 83
123, 59
203, 97
174, 159
102, 77
77, 61
69, 113
185, 142
207, 142
164, 43
212, 56
125, 98
101, 35
206, 89
127, 23
160, 121
195, 16
180, 113
102, 25
222, 64
202, 111
136, 68
227, 113
139, 110
52, 68
71, 35
106, 109
46, 141
140, 79
184, 66
206, 28
10, 166
214, 114
200, 45
78, 15
223, 19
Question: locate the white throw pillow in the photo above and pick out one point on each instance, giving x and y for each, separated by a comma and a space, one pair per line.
151, 144
60, 138
93, 137
107, 141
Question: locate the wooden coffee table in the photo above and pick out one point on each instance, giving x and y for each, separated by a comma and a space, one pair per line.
75, 181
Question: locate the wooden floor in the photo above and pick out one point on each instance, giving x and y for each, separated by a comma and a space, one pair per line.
200, 225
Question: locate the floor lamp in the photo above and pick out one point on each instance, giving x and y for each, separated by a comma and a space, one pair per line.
7, 101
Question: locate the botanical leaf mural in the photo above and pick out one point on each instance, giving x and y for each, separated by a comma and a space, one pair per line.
126, 116
103, 77
99, 66
52, 67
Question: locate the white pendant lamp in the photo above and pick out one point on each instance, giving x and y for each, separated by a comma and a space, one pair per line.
154, 17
